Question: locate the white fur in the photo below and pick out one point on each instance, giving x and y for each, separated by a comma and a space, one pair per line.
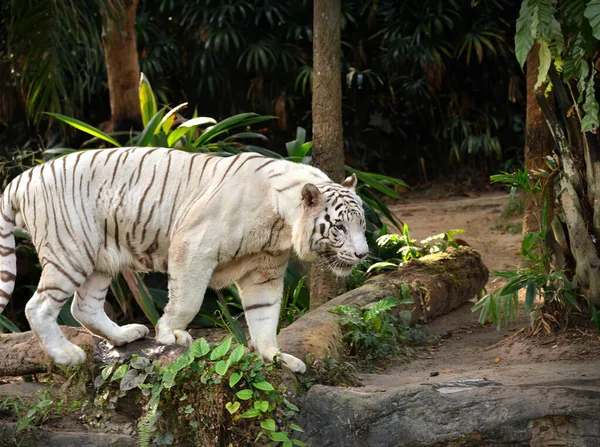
208, 221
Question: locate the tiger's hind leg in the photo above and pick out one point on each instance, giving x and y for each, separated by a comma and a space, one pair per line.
88, 309
54, 290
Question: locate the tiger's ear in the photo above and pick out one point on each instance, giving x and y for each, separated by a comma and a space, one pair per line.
350, 182
311, 196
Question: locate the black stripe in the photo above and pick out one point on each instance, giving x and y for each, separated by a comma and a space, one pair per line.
7, 276
139, 213
246, 160
296, 183
264, 164
162, 192
259, 306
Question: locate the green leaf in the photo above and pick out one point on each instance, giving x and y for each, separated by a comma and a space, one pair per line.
244, 394
236, 354
141, 294
147, 100
221, 367
263, 385
221, 350
530, 296
279, 436
373, 182
592, 13
240, 120
298, 443
106, 372
200, 348
262, 405
145, 137
251, 413
545, 61
291, 406
523, 35
296, 427
7, 324
590, 106
80, 125
529, 241
166, 123
382, 265
232, 407
182, 362
132, 379
139, 362
234, 379
268, 424
120, 372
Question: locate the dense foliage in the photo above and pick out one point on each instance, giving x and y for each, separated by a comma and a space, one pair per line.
428, 84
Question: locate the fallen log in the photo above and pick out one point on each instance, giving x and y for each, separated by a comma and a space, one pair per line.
21, 353
437, 284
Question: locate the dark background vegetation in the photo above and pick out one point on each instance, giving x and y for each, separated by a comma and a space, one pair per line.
431, 89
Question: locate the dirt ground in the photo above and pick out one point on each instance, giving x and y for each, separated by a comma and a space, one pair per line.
468, 350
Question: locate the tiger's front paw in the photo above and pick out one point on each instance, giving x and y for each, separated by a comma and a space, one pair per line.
175, 337
129, 333
67, 354
294, 364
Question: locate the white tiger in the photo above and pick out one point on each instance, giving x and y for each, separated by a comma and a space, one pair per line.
206, 220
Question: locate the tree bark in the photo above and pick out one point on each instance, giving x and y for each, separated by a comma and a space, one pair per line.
538, 144
328, 143
576, 196
122, 67
437, 284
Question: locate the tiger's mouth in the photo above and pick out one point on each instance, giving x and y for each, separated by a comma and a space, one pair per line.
341, 267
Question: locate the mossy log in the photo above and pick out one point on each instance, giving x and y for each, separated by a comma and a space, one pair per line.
437, 284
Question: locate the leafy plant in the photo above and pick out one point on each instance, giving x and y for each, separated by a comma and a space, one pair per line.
371, 332
396, 249
184, 399
539, 278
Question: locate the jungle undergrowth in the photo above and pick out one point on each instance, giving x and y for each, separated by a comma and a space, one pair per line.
211, 395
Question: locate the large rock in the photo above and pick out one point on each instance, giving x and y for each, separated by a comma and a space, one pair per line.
465, 413
437, 284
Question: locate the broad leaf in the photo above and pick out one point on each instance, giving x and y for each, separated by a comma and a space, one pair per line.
221, 350
244, 394
147, 100
232, 407
592, 13
85, 128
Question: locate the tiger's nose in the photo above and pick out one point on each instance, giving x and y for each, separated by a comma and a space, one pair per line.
361, 255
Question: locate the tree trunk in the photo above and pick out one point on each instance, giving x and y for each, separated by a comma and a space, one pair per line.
122, 67
579, 184
437, 284
538, 144
328, 143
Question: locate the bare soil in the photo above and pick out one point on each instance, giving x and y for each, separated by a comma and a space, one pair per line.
469, 350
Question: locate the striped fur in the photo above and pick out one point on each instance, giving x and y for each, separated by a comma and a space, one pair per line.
206, 220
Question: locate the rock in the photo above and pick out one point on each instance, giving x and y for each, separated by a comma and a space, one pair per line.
39, 437
436, 283
464, 413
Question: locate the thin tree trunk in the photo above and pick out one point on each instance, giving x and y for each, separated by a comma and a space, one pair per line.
122, 67
328, 143
538, 143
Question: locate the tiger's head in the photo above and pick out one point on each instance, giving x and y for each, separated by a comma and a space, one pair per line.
332, 225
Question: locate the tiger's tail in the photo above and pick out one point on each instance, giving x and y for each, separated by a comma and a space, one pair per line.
8, 258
